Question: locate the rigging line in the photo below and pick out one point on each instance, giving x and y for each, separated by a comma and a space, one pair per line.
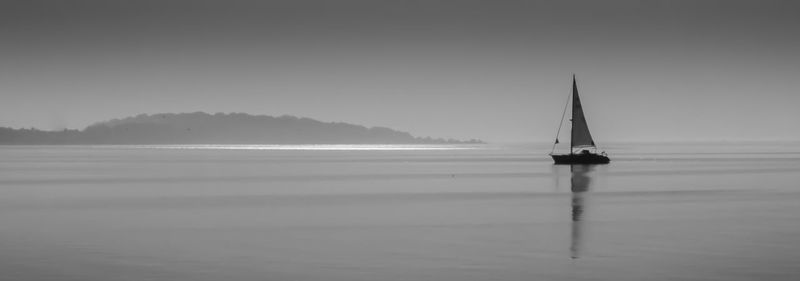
561, 123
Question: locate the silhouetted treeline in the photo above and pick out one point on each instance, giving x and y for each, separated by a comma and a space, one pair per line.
204, 128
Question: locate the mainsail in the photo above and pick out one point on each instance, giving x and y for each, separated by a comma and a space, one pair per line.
580, 131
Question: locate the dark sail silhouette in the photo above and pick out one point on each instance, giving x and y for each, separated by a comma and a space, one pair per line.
580, 130
582, 147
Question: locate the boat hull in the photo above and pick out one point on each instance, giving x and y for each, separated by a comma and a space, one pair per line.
582, 158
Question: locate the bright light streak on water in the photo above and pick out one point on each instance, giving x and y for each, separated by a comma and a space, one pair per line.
345, 147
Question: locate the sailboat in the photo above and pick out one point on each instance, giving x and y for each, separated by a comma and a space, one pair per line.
582, 147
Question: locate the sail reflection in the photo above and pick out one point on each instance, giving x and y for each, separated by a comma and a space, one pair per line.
580, 182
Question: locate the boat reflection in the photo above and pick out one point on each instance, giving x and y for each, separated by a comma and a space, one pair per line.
579, 183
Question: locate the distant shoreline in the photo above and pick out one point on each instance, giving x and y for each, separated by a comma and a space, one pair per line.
227, 129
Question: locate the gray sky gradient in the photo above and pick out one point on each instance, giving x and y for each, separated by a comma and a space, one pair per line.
494, 70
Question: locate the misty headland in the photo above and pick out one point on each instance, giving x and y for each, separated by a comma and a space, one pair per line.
219, 128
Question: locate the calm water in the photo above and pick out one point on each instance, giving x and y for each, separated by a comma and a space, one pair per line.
657, 212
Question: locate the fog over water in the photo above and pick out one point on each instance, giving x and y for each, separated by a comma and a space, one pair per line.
658, 211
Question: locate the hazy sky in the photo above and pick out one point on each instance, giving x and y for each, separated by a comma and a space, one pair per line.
494, 70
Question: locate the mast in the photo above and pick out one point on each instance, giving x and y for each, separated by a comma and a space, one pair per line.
572, 123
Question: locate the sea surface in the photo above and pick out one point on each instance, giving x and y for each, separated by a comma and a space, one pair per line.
659, 211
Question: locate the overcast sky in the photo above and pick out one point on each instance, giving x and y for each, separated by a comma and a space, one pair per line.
494, 70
